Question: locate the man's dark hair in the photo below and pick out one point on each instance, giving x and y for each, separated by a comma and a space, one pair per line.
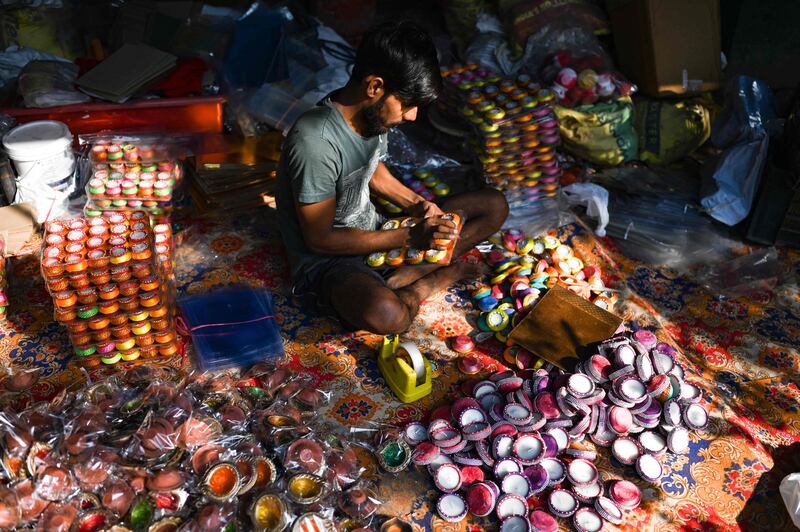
403, 55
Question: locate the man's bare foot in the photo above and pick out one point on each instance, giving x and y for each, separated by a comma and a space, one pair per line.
405, 275
444, 277
440, 279
468, 271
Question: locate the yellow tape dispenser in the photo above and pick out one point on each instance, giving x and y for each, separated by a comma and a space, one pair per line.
406, 371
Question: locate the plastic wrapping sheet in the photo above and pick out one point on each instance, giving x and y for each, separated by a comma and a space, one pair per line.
14, 58
761, 270
533, 217
301, 65
666, 231
655, 217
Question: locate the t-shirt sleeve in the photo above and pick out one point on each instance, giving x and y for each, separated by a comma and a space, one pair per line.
313, 165
383, 146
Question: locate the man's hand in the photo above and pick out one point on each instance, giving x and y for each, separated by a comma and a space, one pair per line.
424, 209
386, 186
316, 223
432, 233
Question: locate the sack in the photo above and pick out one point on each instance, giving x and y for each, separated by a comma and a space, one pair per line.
461, 16
669, 130
601, 133
523, 18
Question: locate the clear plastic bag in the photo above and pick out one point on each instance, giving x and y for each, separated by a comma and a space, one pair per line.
358, 502
93, 468
9, 509
386, 441
21, 379
155, 437
232, 327
138, 148
16, 443
44, 427
594, 198
29, 503
276, 105
212, 516
489, 48
345, 468
45, 83
742, 129
561, 36
309, 399
307, 454
117, 496
84, 429
280, 424
14, 58
790, 492
308, 62
405, 154
55, 483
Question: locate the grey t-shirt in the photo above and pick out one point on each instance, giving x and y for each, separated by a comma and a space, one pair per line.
323, 157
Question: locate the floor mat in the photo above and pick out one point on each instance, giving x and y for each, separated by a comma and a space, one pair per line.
744, 353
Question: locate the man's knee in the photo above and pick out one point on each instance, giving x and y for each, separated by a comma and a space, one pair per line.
495, 207
387, 315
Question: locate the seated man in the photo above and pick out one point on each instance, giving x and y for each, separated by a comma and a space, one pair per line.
331, 163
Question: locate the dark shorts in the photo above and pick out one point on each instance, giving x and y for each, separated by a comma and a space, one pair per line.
314, 289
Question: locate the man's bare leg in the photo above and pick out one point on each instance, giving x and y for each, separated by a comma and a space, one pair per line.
363, 302
484, 212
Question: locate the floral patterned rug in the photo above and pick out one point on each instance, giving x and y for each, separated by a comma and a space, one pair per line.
744, 352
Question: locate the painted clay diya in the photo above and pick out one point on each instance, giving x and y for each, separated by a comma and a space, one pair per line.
305, 488
394, 456
268, 513
306, 454
222, 482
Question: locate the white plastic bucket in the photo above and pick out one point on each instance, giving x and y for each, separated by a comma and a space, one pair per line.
42, 155
41, 151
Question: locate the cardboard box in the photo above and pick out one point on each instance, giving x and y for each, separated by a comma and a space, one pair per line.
668, 47
17, 227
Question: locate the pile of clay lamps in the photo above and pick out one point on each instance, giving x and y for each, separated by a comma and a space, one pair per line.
523, 270
513, 443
